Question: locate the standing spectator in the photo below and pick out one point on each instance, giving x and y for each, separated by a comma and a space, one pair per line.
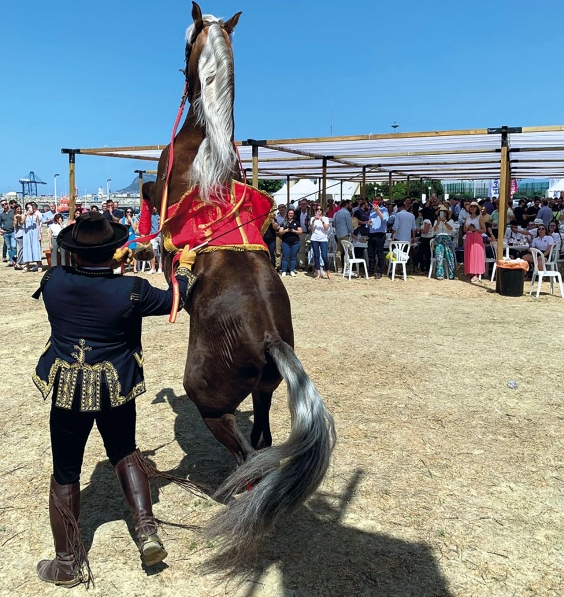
454, 208
109, 212
156, 242
377, 237
269, 238
130, 222
489, 205
404, 225
7, 232
18, 235
444, 248
31, 239
279, 217
303, 217
428, 211
343, 226
48, 215
545, 213
319, 226
54, 230
519, 212
532, 210
332, 208
94, 208
362, 215
290, 231
424, 249
118, 213
474, 251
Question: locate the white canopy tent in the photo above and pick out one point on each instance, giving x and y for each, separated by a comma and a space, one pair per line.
311, 190
556, 188
533, 152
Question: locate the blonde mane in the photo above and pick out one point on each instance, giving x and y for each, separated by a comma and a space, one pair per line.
216, 159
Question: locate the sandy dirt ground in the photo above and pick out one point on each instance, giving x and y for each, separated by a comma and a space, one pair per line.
444, 481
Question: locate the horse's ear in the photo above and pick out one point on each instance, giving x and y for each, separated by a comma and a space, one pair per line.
197, 16
232, 23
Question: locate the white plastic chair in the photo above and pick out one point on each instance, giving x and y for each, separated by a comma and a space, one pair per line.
399, 255
433, 265
552, 261
539, 274
332, 250
351, 260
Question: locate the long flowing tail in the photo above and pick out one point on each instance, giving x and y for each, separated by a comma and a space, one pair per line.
285, 475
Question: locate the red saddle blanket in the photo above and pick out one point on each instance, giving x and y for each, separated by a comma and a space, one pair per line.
236, 221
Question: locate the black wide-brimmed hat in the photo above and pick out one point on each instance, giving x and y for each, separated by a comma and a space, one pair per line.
92, 233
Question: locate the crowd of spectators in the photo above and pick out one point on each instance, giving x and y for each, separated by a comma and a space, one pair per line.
24, 229
450, 231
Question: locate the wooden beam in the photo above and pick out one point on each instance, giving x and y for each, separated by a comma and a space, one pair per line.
504, 193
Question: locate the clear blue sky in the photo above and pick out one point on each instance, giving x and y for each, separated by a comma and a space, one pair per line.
106, 73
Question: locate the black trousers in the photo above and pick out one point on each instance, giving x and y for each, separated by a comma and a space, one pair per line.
70, 430
376, 249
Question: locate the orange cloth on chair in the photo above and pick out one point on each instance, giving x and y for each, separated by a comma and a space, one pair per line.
236, 222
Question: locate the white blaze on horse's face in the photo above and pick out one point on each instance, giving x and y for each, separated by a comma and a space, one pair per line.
210, 77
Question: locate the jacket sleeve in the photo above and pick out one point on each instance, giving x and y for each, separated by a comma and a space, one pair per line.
154, 301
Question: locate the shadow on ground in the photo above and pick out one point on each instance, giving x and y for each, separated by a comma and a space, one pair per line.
205, 462
317, 554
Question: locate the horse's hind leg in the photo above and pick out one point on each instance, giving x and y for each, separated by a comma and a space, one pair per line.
260, 435
226, 431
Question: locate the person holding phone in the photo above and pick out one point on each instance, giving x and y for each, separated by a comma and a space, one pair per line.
32, 238
319, 226
474, 250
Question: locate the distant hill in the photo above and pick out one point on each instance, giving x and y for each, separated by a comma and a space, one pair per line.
134, 186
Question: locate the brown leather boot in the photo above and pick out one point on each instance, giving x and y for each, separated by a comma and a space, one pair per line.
132, 476
64, 506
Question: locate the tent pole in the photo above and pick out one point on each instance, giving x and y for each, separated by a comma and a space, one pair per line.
504, 190
363, 186
72, 184
140, 172
324, 196
407, 193
390, 185
341, 196
255, 165
287, 192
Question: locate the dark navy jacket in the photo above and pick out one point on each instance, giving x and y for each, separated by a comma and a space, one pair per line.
95, 319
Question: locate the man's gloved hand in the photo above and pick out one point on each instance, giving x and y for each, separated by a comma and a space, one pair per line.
187, 258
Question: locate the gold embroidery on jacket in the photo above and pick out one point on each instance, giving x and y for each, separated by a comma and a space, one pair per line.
139, 358
90, 399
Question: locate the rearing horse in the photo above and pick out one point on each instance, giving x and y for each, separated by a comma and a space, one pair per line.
241, 335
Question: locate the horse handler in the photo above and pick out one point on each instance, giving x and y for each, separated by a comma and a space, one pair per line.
93, 364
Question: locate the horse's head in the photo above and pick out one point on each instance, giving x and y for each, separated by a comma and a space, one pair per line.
204, 27
211, 92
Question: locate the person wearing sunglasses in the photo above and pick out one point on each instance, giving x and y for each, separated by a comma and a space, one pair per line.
554, 231
543, 242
